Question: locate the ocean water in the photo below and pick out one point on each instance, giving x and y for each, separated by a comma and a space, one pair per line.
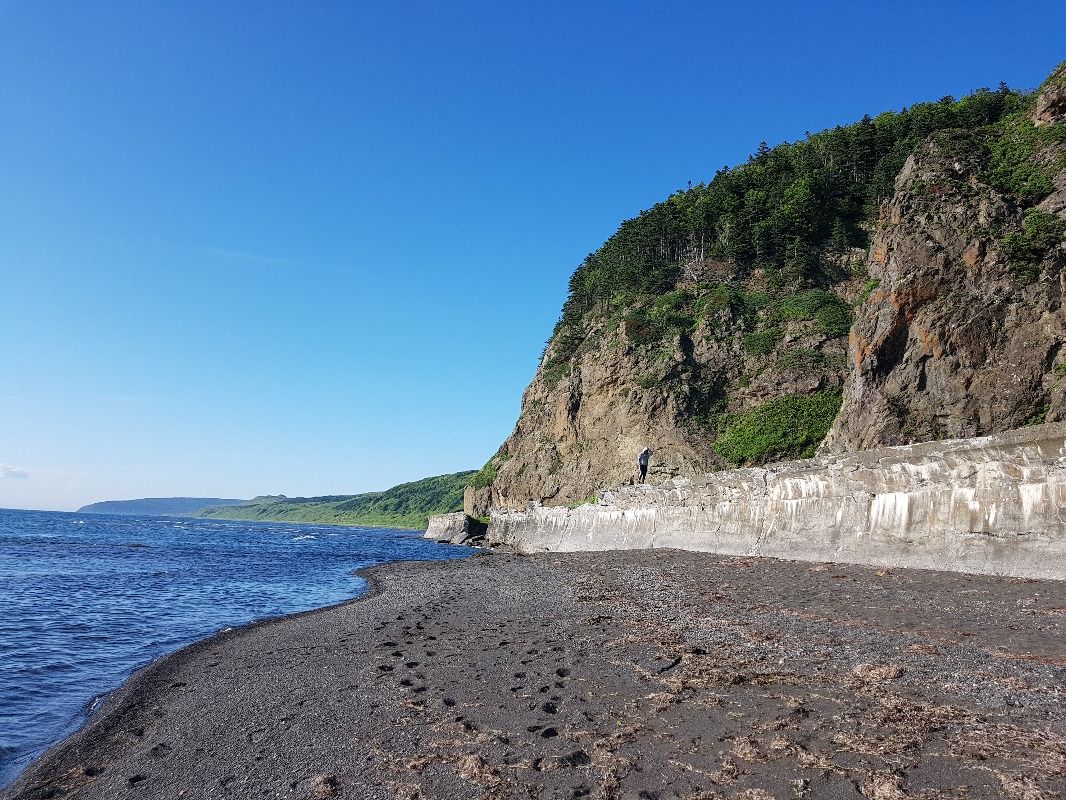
87, 599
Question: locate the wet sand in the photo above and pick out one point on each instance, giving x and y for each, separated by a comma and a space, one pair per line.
638, 674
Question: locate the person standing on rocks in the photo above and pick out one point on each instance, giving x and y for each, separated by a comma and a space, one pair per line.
642, 463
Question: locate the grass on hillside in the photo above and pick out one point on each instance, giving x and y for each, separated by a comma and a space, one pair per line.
786, 427
408, 505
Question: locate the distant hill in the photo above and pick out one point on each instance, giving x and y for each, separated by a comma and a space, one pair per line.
157, 506
408, 505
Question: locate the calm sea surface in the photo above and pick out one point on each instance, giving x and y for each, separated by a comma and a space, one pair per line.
86, 599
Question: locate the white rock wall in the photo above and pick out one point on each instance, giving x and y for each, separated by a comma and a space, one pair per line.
446, 527
993, 505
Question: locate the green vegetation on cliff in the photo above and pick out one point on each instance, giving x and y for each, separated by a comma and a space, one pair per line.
793, 211
785, 427
408, 505
484, 476
1012, 166
1027, 247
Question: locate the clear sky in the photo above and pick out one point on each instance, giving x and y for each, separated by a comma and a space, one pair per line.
315, 248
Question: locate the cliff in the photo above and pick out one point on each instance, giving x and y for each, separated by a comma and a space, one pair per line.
964, 334
992, 505
897, 280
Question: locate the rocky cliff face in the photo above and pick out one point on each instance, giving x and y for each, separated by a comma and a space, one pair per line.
958, 331
964, 335
1050, 106
582, 431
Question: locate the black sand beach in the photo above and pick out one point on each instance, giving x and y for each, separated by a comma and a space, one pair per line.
640, 674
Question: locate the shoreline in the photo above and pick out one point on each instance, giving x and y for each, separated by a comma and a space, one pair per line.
99, 706
596, 675
179, 581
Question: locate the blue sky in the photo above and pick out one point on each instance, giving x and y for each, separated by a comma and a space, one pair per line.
316, 248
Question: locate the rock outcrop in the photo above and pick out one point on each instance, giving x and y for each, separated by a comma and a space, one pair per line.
994, 505
1051, 101
455, 528
582, 431
960, 338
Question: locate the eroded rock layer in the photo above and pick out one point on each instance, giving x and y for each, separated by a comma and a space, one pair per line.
994, 505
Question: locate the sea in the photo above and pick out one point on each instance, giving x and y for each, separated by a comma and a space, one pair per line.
87, 599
